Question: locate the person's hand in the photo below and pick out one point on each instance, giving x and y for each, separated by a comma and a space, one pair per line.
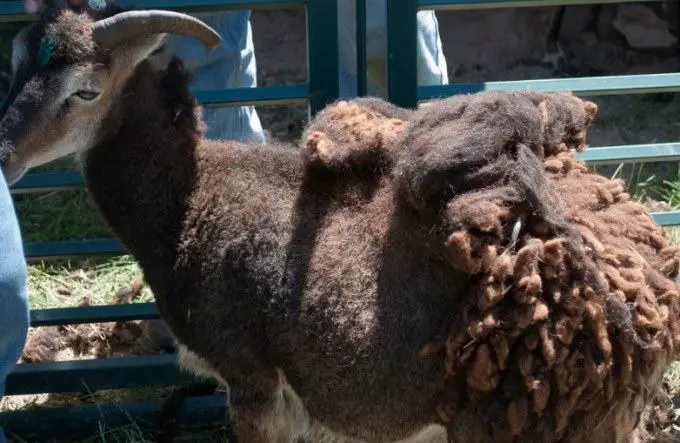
33, 6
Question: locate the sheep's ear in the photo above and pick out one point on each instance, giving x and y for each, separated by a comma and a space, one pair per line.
126, 56
131, 53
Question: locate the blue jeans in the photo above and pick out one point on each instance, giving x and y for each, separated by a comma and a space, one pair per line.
14, 311
432, 66
232, 65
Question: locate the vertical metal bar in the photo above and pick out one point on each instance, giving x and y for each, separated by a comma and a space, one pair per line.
361, 47
322, 53
402, 57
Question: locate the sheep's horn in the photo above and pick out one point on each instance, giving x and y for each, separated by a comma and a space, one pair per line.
113, 30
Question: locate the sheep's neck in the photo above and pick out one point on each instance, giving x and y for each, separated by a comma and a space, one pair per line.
141, 173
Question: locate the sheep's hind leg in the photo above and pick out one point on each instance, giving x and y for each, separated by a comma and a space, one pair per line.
265, 409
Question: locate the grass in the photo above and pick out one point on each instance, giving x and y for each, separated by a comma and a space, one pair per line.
71, 215
68, 284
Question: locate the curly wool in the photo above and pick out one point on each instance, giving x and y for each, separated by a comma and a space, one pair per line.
574, 348
574, 317
572, 309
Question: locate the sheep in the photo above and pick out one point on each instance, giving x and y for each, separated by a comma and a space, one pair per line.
327, 298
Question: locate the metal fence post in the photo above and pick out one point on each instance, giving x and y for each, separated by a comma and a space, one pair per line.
362, 86
402, 56
323, 53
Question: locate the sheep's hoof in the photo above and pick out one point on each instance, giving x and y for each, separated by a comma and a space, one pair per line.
166, 426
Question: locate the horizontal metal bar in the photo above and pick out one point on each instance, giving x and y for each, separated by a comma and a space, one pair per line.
93, 375
264, 95
260, 96
604, 85
671, 218
457, 5
12, 11
78, 422
644, 153
93, 314
73, 248
47, 182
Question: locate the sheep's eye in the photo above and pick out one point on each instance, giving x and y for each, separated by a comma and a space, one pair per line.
87, 95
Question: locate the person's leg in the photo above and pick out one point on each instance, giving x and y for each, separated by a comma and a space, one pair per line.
232, 65
432, 66
14, 310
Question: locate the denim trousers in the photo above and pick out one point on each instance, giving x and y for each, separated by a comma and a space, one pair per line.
233, 65
432, 66
14, 310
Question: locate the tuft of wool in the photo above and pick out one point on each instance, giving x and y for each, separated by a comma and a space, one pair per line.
359, 134
568, 317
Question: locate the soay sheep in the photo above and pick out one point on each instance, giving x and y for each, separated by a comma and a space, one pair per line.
374, 301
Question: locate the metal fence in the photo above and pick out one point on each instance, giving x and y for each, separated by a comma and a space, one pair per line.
161, 370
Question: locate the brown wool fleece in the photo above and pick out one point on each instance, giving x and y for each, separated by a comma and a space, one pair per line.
564, 328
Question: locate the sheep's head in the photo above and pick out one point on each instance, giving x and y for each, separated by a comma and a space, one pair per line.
68, 67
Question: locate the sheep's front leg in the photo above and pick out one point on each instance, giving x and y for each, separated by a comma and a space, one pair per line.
263, 406
265, 409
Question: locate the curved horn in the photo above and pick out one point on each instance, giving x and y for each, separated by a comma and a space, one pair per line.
113, 30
